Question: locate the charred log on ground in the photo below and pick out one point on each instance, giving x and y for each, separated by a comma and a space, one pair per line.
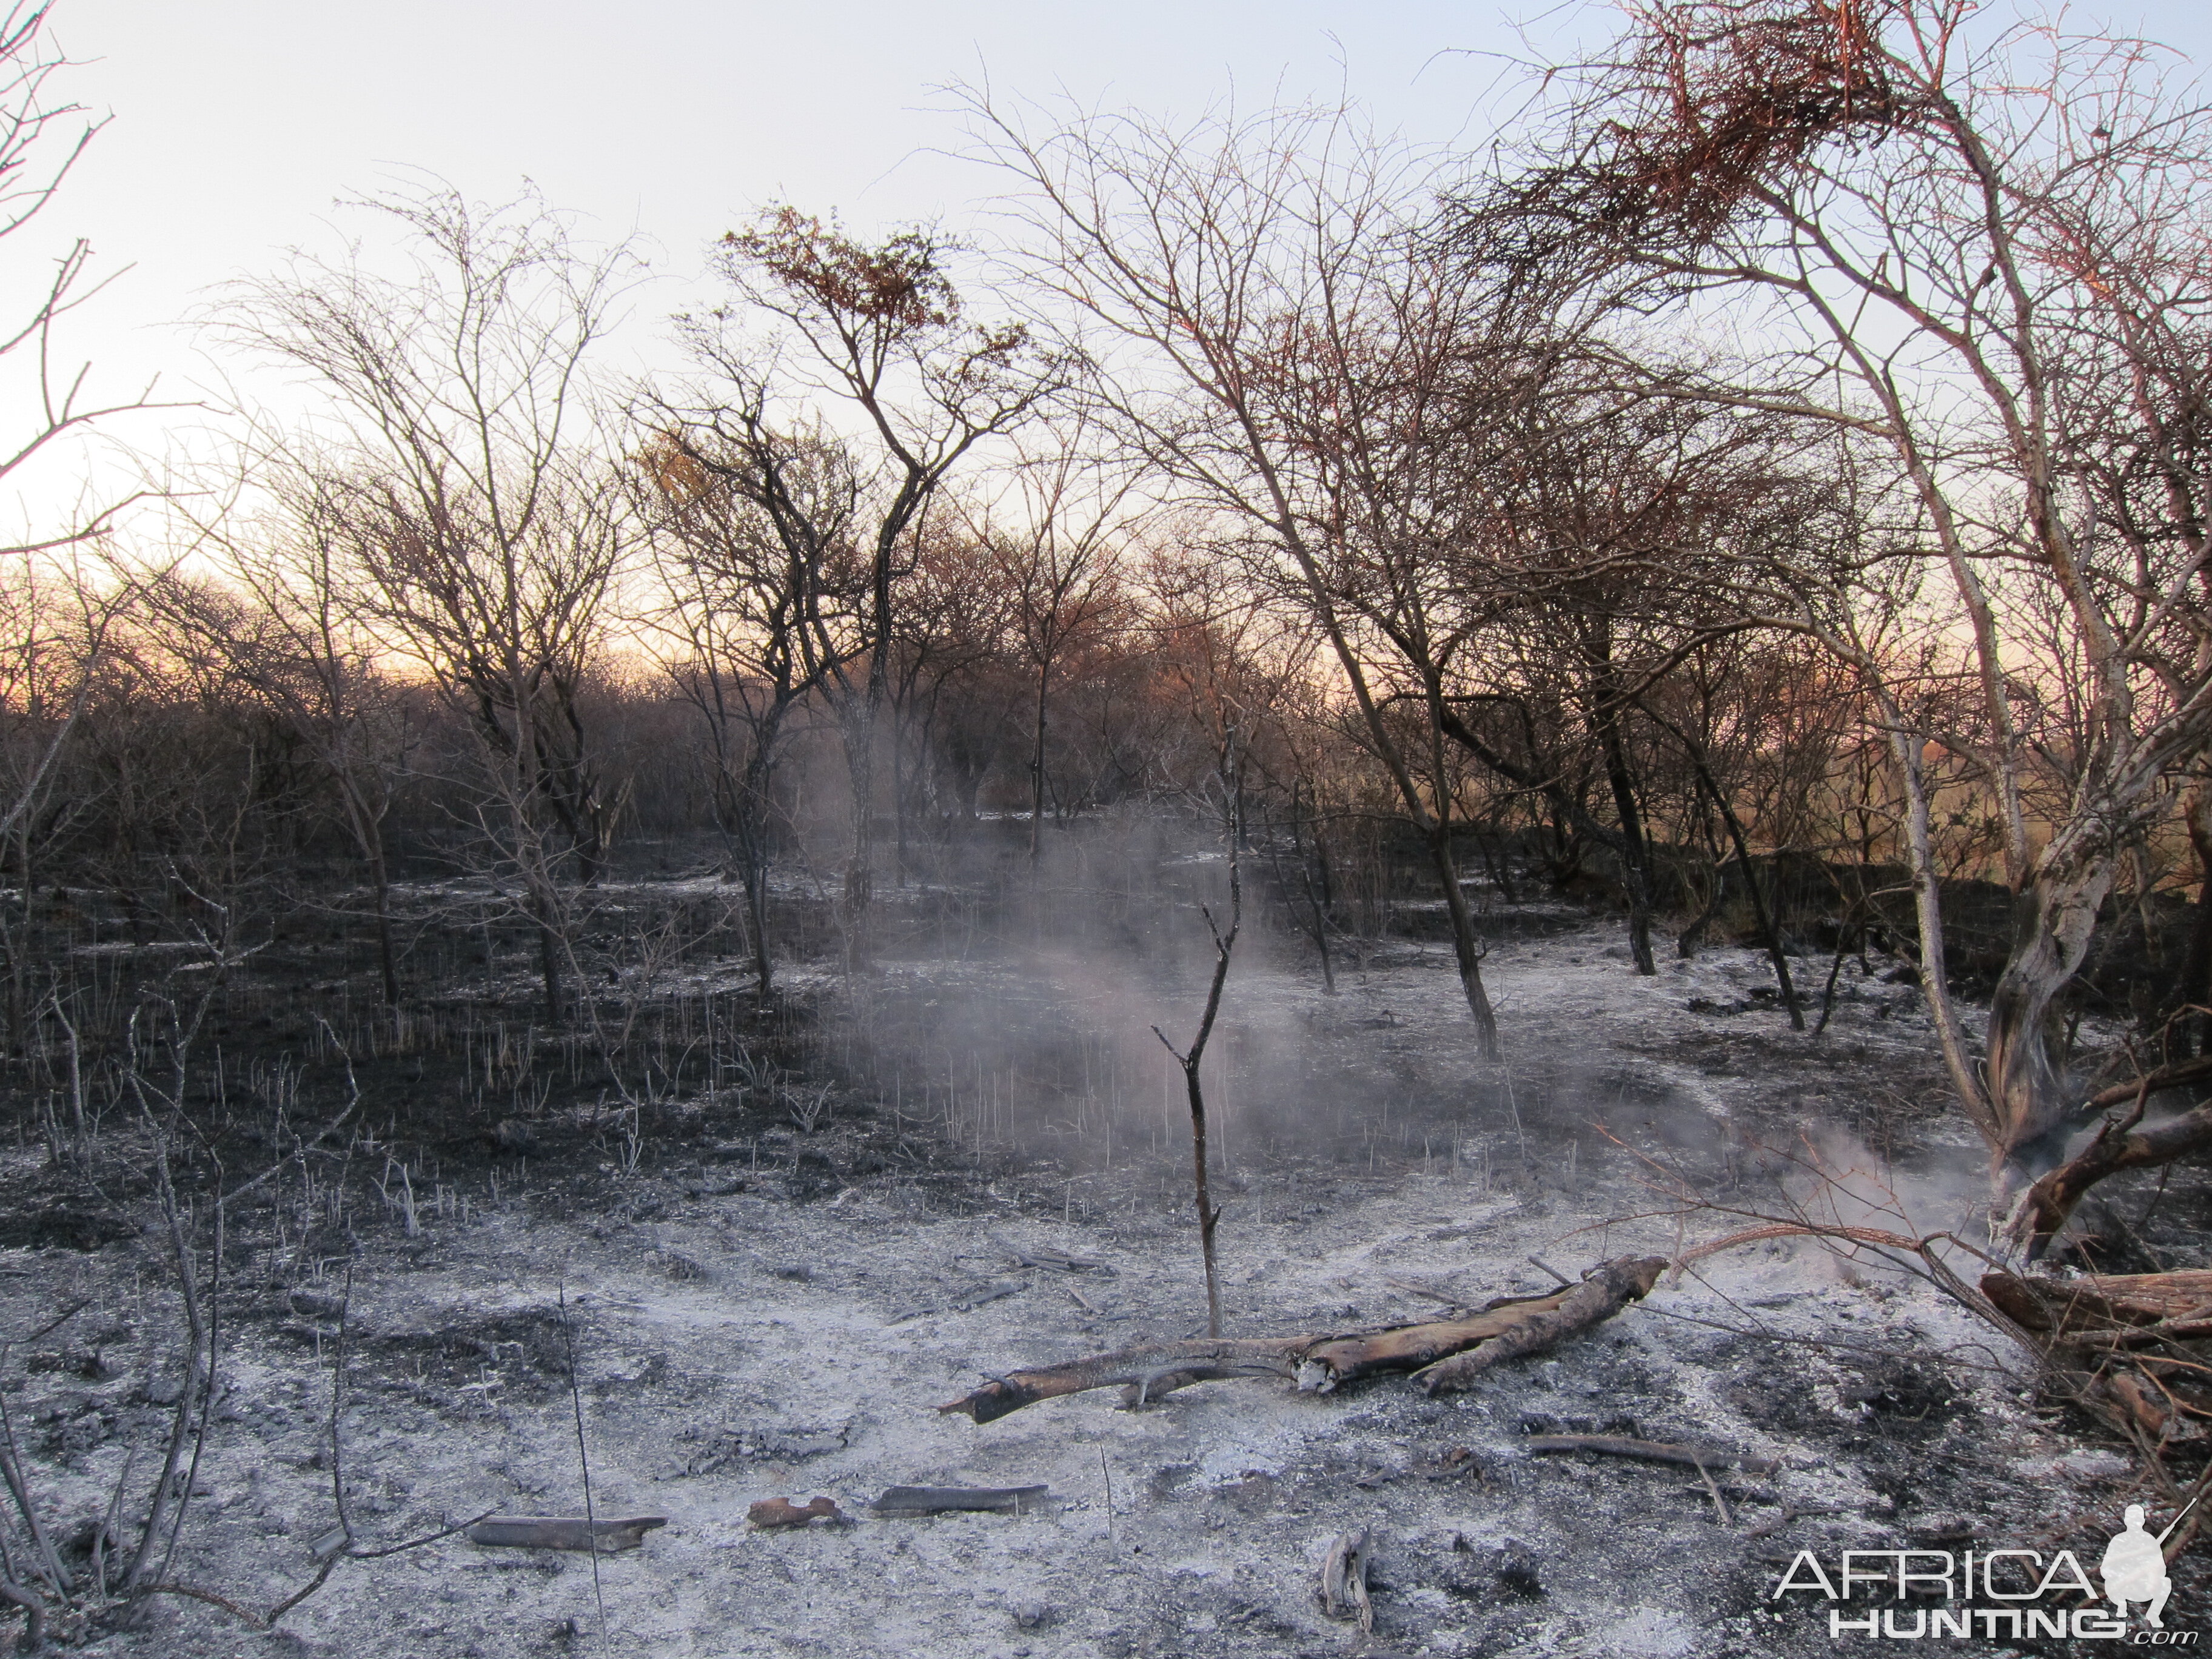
1446, 1354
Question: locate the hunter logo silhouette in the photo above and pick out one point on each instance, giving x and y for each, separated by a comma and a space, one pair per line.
2133, 1567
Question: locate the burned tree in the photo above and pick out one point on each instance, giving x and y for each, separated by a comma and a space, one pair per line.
879, 332
280, 627
1200, 650
1190, 1060
1055, 544
56, 621
753, 544
480, 534
1289, 349
1982, 257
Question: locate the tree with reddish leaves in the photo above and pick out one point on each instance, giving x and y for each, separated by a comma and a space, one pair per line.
875, 339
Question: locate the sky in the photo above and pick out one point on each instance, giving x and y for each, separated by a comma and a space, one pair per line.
237, 125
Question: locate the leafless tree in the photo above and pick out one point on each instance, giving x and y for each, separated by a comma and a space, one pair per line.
1586, 520
752, 544
1272, 352
269, 602
55, 628
481, 531
1984, 256
55, 621
958, 690
41, 140
1188, 1061
1056, 541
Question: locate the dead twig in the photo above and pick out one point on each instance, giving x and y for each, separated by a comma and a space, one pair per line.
1057, 1261
583, 1453
190, 1592
164, 1493
1713, 1491
1414, 1287
344, 1552
1538, 1261
338, 1404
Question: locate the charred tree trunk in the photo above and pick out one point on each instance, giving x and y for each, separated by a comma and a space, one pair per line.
1769, 931
549, 967
2186, 1033
1208, 1216
1691, 938
1760, 909
388, 959
1467, 946
756, 883
2053, 916
859, 730
1635, 854
749, 822
863, 719
1036, 774
900, 861
1315, 906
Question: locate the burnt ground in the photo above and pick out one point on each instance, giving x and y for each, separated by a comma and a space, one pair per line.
759, 1282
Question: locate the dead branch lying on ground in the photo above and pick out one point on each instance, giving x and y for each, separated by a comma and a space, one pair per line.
1031, 1256
2136, 1349
2133, 1350
1445, 1354
1879, 1237
938, 1500
343, 1551
1652, 1451
562, 1532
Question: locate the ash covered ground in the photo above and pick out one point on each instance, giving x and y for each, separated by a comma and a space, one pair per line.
768, 1293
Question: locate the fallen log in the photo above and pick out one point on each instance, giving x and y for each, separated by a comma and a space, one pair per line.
2176, 1304
1514, 1326
1608, 1289
1651, 1451
563, 1532
2101, 1333
936, 1500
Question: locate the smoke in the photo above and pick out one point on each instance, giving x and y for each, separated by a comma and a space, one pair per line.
1013, 1007
1840, 1186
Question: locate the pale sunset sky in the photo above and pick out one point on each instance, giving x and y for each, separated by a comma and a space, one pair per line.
237, 123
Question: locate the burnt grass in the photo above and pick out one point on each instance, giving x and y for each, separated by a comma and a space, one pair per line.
684, 1092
